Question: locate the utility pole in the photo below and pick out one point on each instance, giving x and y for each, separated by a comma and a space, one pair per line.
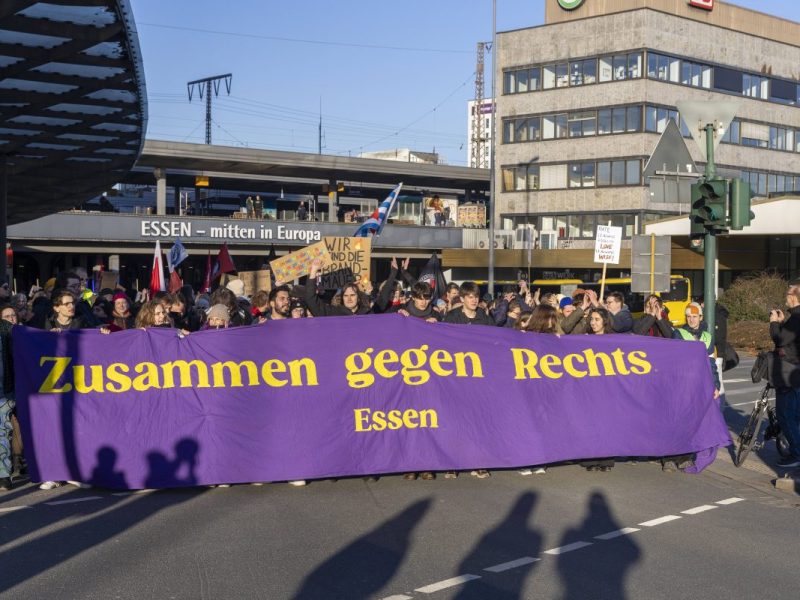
319, 131
492, 170
205, 86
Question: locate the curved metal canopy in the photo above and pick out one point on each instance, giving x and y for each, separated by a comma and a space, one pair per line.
73, 104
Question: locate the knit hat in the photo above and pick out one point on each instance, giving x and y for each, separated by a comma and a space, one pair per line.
119, 296
236, 286
565, 301
219, 311
694, 309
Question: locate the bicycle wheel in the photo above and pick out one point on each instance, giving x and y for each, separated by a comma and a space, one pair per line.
749, 435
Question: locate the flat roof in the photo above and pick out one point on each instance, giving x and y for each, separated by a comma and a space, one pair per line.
230, 167
73, 98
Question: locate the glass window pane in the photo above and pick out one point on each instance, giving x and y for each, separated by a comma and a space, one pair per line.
604, 121
650, 119
508, 179
519, 179
587, 226
674, 70
589, 123
632, 172
618, 172
618, 117
533, 129
589, 71
509, 82
606, 69
549, 77
508, 132
521, 130
635, 65
686, 73
561, 126
576, 73
620, 66
705, 80
534, 82
533, 177
575, 226
562, 75
574, 175
548, 127
522, 81
588, 174
634, 118
604, 173
652, 65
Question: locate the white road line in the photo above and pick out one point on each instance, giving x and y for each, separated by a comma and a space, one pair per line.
752, 390
133, 492
727, 501
443, 585
618, 533
398, 597
568, 548
512, 564
659, 521
698, 509
741, 403
10, 508
74, 500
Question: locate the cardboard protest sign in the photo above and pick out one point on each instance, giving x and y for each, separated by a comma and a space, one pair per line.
297, 264
255, 281
607, 244
350, 261
109, 280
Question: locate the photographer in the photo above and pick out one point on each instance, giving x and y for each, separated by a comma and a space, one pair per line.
785, 333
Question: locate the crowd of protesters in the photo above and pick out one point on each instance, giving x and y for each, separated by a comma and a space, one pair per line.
66, 303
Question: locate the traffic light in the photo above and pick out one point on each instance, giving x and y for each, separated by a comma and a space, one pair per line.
709, 203
739, 211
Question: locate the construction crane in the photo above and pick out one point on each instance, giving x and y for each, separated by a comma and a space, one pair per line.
478, 158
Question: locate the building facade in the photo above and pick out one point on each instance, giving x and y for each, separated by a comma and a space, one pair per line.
584, 97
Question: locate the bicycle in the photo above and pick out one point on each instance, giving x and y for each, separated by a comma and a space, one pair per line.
748, 438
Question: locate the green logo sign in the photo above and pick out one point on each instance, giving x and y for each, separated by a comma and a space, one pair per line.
569, 4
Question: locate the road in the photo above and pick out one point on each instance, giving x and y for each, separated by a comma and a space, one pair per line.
634, 532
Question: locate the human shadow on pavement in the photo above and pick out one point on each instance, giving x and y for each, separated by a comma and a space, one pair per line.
511, 539
597, 572
363, 567
36, 556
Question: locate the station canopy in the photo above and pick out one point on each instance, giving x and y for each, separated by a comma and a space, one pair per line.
73, 104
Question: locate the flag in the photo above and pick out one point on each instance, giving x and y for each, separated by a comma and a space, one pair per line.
377, 220
207, 278
176, 255
224, 263
270, 257
432, 275
175, 282
157, 283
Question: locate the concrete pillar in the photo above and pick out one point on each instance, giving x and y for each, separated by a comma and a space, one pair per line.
176, 197
333, 201
113, 262
161, 191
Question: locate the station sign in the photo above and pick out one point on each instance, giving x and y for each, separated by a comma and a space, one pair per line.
156, 228
704, 4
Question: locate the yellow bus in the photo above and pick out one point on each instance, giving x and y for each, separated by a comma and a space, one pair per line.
675, 300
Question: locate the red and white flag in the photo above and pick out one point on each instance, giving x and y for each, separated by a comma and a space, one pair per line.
157, 283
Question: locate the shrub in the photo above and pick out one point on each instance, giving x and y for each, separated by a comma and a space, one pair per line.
751, 297
752, 336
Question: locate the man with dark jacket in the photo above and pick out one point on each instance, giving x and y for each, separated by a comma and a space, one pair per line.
469, 313
353, 302
621, 319
654, 322
63, 317
420, 305
785, 333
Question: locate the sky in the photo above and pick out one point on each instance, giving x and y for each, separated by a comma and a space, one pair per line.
382, 74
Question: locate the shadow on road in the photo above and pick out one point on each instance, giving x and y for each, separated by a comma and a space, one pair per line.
366, 565
510, 540
593, 572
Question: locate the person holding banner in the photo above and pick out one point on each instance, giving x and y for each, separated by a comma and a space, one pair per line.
621, 319
469, 313
420, 305
600, 323
63, 312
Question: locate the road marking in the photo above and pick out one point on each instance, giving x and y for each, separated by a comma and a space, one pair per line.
568, 548
739, 380
443, 585
727, 501
513, 564
659, 521
753, 390
146, 491
618, 533
741, 403
74, 500
399, 597
698, 509
10, 508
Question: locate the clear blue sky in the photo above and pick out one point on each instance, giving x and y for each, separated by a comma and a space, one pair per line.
388, 74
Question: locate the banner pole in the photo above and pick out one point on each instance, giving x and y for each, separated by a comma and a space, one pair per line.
652, 263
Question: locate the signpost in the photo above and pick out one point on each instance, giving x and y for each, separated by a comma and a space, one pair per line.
608, 242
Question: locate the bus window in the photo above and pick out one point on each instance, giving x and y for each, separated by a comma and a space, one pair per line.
679, 290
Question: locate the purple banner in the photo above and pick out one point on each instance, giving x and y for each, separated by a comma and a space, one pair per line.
331, 397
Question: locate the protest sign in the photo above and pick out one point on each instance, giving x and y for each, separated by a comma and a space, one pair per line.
350, 261
255, 281
607, 244
297, 264
317, 398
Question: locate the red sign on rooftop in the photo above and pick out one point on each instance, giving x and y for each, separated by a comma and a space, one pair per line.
704, 4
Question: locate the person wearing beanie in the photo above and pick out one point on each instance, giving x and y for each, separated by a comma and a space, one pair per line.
121, 316
218, 317
237, 287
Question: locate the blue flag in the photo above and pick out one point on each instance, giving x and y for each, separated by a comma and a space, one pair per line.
177, 255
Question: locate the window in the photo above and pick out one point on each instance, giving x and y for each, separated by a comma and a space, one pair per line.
534, 129
663, 67
603, 173
695, 74
732, 134
533, 177
562, 75
554, 127
782, 91
574, 170
508, 132
728, 80
620, 66
606, 68
633, 118
755, 135
587, 174
583, 72
522, 81
781, 139
755, 86
582, 124
581, 174
604, 121
634, 65
509, 82
521, 178
618, 172
549, 77
618, 117
521, 130
535, 79
632, 172
656, 118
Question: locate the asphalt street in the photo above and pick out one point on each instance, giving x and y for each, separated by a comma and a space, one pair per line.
634, 532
